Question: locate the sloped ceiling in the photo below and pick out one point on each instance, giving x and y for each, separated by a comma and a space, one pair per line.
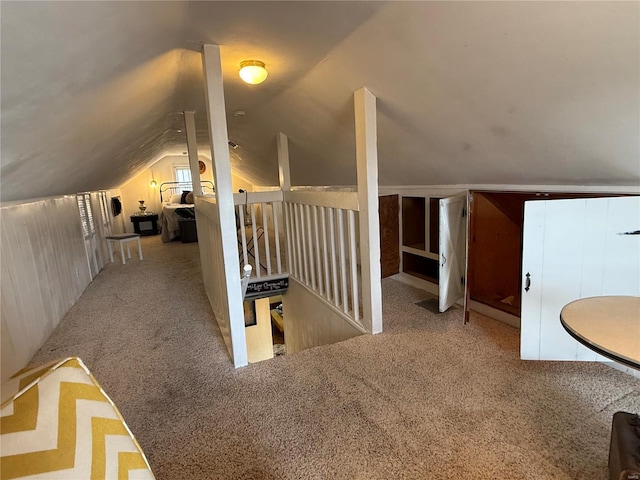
468, 92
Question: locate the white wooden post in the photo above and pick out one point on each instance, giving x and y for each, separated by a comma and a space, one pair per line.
283, 162
192, 148
367, 173
284, 175
214, 96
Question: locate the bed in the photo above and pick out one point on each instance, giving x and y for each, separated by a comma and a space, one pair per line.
177, 205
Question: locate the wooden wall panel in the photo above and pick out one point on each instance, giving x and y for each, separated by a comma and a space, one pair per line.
494, 256
495, 245
309, 321
413, 222
44, 271
389, 235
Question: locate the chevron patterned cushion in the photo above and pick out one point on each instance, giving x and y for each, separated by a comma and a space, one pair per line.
56, 422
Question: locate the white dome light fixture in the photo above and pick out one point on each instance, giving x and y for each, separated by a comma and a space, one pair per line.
253, 71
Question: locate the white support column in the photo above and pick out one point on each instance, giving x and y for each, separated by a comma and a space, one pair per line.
283, 162
367, 173
192, 148
285, 185
214, 96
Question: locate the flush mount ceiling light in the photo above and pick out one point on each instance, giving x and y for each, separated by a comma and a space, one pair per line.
253, 71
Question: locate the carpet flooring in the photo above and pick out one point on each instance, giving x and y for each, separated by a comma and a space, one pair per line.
429, 398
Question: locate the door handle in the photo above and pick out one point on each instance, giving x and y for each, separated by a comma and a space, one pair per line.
444, 259
527, 282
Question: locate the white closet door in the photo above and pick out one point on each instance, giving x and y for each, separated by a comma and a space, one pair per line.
574, 249
453, 250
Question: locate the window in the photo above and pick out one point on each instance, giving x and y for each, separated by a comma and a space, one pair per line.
183, 177
88, 231
104, 210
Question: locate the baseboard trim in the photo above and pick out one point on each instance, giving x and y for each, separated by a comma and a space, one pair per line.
494, 313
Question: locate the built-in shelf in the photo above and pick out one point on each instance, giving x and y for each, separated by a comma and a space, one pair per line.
421, 267
420, 240
434, 226
413, 222
420, 253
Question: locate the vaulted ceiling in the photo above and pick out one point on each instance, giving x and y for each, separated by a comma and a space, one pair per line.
536, 93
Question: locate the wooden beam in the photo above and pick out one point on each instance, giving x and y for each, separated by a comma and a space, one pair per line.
192, 148
217, 121
284, 172
367, 174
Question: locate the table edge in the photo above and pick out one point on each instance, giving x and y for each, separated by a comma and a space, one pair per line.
605, 353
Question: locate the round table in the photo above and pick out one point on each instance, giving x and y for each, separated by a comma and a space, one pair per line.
609, 325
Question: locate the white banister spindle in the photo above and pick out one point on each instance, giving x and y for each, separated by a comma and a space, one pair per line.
265, 229
256, 248
276, 214
287, 237
317, 247
299, 242
243, 234
292, 238
312, 268
303, 240
325, 254
354, 266
334, 265
343, 266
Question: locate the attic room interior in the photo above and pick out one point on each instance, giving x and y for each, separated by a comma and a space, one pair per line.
411, 204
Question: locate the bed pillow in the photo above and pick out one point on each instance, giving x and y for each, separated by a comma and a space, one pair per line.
183, 198
175, 198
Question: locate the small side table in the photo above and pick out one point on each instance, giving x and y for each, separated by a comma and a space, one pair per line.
608, 325
123, 238
149, 217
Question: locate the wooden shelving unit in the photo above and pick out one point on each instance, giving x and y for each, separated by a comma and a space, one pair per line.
420, 249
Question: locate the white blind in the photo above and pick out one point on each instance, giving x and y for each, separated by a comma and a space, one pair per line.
183, 177
104, 210
88, 231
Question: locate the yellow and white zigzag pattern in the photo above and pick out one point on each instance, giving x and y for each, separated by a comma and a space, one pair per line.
57, 423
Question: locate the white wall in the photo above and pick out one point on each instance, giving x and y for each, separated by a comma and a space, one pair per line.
310, 321
117, 223
44, 271
259, 336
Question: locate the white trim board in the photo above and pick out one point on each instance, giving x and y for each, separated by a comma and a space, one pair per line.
408, 190
494, 313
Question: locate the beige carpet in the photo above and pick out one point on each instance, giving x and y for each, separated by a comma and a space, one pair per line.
427, 399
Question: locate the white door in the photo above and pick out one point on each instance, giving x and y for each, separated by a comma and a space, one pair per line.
574, 249
453, 250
